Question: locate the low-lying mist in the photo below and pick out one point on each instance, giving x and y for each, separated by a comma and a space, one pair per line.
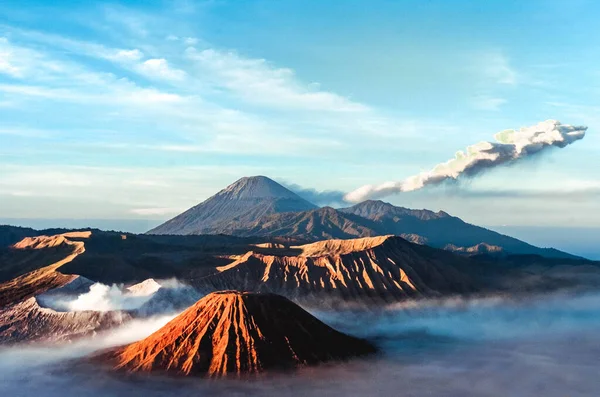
489, 347
19, 359
100, 297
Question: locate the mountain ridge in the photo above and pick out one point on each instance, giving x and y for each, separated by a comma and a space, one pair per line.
382, 268
260, 207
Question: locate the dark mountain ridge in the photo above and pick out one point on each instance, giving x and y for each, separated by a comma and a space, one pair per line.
441, 230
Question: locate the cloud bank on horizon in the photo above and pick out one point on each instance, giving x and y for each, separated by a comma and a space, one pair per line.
509, 146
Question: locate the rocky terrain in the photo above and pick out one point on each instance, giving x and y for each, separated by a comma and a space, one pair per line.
233, 333
365, 271
33, 262
28, 321
385, 267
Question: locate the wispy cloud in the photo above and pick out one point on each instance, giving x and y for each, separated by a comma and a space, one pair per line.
168, 97
6, 60
159, 68
497, 67
257, 81
127, 55
144, 191
485, 102
26, 132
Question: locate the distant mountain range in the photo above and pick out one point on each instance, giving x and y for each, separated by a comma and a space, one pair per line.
260, 207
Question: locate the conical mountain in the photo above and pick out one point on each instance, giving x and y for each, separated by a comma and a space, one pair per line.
235, 333
242, 202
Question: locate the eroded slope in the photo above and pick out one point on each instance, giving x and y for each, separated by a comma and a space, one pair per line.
230, 332
386, 267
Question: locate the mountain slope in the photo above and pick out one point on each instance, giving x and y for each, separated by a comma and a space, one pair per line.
244, 201
313, 225
234, 333
441, 230
385, 267
259, 207
33, 262
28, 321
12, 234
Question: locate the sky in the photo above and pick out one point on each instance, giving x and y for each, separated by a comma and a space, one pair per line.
139, 110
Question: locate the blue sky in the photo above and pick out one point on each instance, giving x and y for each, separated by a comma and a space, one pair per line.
124, 110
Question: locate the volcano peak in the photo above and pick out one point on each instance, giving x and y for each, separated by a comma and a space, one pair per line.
232, 332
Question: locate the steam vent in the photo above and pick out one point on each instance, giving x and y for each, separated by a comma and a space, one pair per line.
235, 333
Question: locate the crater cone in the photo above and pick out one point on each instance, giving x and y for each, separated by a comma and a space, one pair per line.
235, 333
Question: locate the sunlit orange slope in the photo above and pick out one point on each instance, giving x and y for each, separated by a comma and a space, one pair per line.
235, 333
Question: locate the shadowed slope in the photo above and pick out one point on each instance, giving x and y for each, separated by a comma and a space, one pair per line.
313, 225
234, 333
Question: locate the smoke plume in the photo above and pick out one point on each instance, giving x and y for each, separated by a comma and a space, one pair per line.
510, 146
147, 298
320, 198
100, 297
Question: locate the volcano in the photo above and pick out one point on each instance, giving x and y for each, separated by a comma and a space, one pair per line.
235, 333
242, 202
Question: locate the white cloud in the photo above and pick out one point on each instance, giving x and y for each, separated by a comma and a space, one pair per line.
129, 59
128, 55
38, 91
253, 80
257, 81
6, 65
194, 115
120, 93
16, 61
159, 68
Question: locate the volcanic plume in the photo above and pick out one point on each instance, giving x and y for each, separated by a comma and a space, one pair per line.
510, 146
233, 332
